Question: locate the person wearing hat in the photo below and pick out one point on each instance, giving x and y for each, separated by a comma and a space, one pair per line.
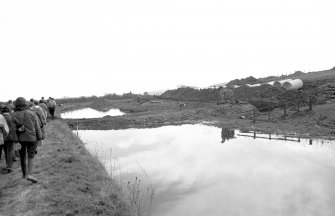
10, 105
10, 139
42, 100
28, 131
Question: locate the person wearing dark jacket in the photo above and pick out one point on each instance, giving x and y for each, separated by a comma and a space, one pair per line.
29, 133
10, 139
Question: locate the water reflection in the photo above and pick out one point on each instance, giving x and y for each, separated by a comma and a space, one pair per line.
90, 113
276, 137
227, 134
193, 174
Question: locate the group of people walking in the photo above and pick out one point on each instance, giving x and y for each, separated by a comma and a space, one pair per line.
24, 122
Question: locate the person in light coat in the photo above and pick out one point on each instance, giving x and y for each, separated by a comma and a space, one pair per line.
3, 132
11, 138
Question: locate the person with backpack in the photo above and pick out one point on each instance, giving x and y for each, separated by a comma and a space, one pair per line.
39, 110
45, 109
10, 140
28, 131
42, 119
52, 107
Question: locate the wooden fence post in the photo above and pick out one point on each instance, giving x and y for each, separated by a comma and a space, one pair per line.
285, 113
310, 103
269, 113
298, 104
254, 115
77, 128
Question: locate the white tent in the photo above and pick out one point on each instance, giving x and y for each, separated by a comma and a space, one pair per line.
271, 83
293, 84
280, 83
254, 85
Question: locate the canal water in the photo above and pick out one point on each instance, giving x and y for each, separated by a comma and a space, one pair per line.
90, 113
201, 170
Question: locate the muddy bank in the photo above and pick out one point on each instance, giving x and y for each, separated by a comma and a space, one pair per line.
306, 123
124, 122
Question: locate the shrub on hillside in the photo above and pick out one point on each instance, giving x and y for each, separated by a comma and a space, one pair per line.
264, 91
249, 80
190, 94
264, 105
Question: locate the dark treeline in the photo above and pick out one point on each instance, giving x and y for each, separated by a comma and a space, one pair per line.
84, 99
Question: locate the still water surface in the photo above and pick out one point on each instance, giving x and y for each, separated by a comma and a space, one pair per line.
90, 113
194, 172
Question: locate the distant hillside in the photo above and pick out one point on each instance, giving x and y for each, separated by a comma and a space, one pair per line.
317, 76
186, 86
218, 85
158, 92
305, 77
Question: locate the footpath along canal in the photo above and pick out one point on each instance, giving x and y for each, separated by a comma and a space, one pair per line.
71, 181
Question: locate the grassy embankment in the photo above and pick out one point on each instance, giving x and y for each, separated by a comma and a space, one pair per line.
71, 181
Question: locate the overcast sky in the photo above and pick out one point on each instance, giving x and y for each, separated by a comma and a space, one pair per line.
82, 48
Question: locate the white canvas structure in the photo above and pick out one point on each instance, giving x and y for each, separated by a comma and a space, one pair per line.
280, 83
254, 85
271, 83
293, 84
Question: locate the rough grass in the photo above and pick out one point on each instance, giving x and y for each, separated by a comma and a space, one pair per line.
71, 181
318, 75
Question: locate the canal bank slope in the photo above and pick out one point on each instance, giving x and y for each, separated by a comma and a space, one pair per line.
71, 181
320, 122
